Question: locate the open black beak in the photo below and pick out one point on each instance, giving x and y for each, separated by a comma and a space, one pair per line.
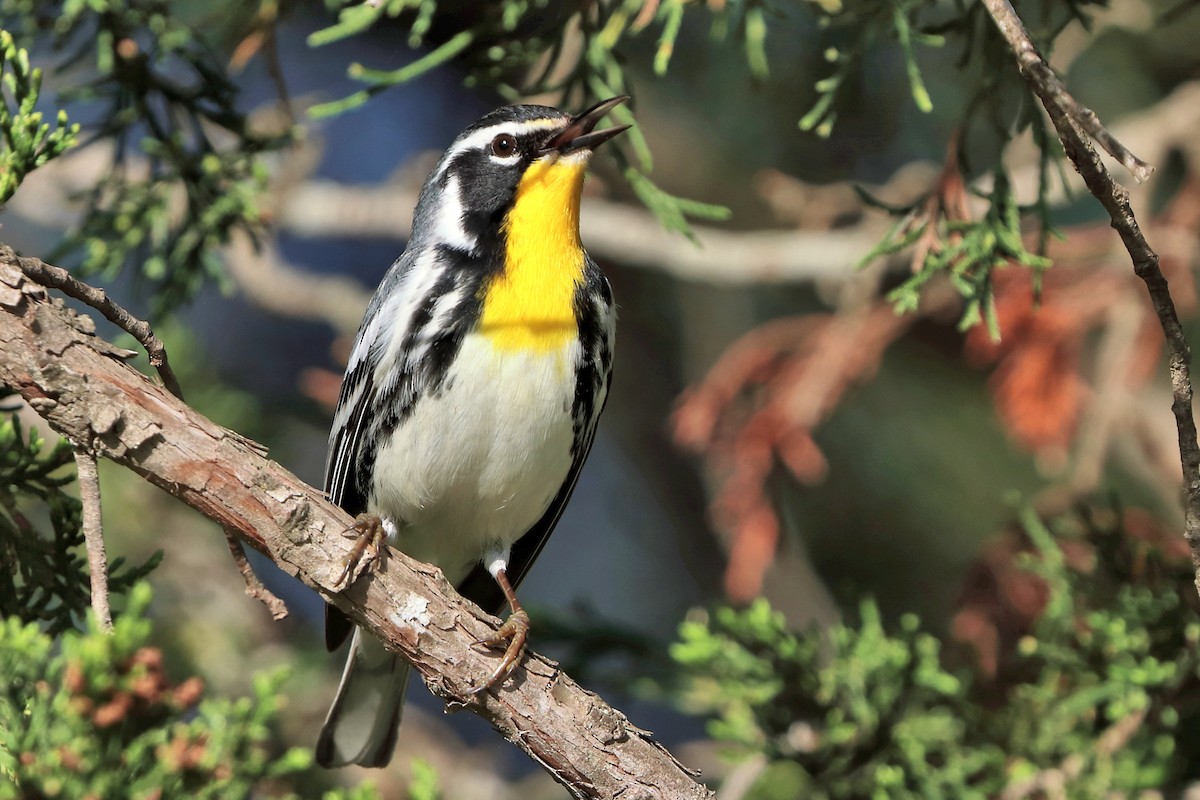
578, 135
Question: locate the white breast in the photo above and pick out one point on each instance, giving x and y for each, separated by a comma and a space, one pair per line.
475, 466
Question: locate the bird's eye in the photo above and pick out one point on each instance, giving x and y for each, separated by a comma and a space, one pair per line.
504, 145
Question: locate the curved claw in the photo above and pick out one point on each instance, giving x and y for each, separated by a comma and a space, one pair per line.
370, 537
513, 635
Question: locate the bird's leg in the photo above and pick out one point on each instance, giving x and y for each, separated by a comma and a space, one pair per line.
512, 636
369, 536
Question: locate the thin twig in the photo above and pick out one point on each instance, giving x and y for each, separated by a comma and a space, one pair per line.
1087, 119
1115, 199
1050, 89
254, 587
59, 278
275, 68
93, 534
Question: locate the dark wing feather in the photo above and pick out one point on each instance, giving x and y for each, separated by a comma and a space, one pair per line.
342, 462
375, 409
340, 485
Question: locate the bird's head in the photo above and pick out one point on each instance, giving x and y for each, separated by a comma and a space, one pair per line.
517, 163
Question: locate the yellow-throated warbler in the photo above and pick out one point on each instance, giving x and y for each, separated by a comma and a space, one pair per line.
473, 390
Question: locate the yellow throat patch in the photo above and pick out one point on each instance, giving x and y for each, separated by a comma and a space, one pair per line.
531, 304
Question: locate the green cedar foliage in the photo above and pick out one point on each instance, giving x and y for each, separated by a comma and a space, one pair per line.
166, 98
1101, 690
971, 250
513, 47
45, 578
424, 784
93, 714
26, 141
167, 95
999, 109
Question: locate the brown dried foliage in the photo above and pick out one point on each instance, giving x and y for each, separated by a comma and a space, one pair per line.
140, 688
1042, 382
760, 404
184, 752
758, 407
1038, 382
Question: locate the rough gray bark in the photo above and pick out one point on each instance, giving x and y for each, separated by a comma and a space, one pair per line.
82, 387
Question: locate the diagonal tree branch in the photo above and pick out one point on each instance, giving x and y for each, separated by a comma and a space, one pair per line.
1074, 130
52, 358
60, 279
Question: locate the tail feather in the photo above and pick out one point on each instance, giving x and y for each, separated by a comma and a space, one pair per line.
364, 720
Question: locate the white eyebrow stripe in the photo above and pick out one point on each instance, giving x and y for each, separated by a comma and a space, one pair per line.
484, 135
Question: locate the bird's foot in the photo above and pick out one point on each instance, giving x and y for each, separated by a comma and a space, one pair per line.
367, 553
511, 636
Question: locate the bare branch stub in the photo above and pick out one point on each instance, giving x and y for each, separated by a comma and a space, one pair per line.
93, 534
254, 587
1073, 132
